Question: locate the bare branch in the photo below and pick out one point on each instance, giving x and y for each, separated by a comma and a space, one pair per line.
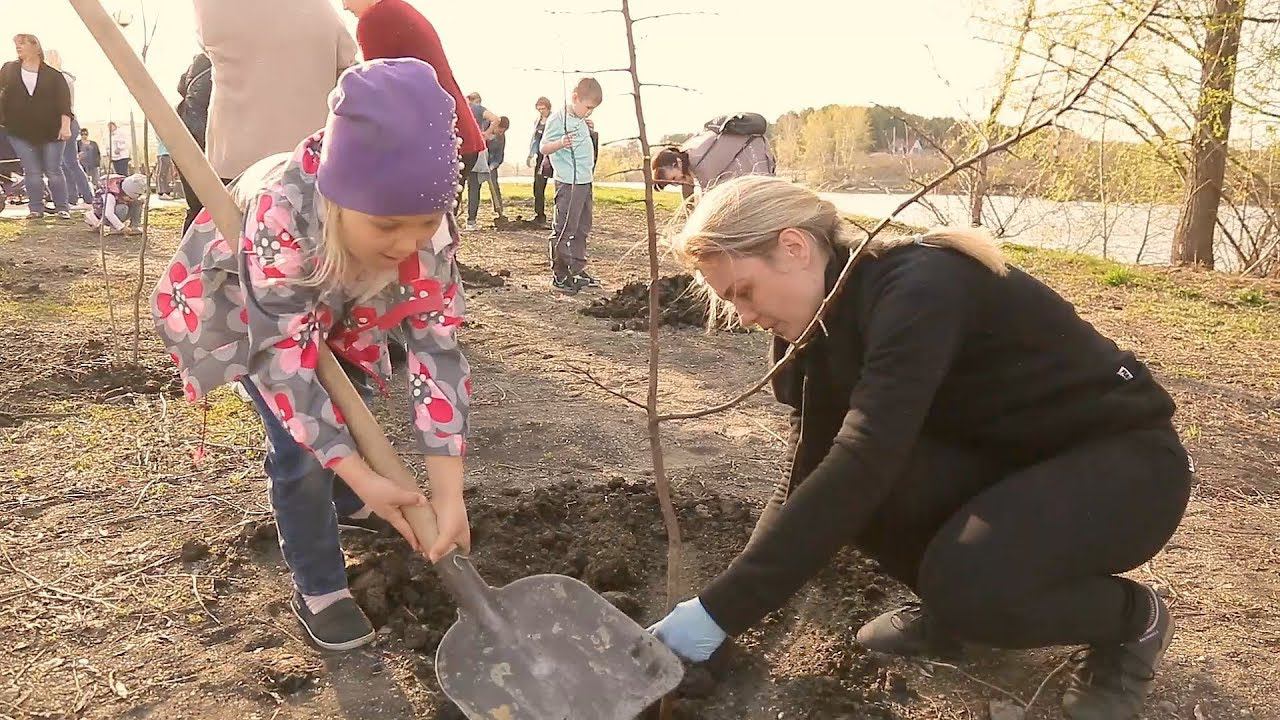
666, 85
623, 172
616, 393
577, 71
582, 12
636, 21
619, 140
1206, 18
1050, 119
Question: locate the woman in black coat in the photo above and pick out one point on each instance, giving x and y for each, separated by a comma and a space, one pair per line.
35, 108
956, 420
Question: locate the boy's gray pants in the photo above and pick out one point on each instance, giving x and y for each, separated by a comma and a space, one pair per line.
571, 228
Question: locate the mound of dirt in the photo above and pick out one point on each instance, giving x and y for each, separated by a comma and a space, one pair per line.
474, 277
611, 536
683, 303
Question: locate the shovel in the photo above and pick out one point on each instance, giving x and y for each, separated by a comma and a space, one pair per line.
544, 647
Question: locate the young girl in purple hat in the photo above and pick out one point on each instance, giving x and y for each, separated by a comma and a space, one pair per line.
347, 238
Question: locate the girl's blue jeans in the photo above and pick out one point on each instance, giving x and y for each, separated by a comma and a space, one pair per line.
306, 500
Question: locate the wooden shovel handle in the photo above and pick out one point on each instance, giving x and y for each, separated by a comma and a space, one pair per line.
370, 440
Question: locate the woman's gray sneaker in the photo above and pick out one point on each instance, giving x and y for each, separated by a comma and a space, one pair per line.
908, 631
341, 626
1111, 683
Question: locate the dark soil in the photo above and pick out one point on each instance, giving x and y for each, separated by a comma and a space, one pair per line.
611, 537
683, 304
518, 224
90, 368
474, 277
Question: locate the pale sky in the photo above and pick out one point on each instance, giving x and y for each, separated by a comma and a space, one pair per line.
767, 57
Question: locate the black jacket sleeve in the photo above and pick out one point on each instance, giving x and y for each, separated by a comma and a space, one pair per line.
914, 321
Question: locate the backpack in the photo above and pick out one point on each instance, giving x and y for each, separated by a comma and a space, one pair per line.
745, 123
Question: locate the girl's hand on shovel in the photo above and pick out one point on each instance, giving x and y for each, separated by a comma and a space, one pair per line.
384, 497
455, 530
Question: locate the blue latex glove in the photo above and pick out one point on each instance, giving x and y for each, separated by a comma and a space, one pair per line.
689, 631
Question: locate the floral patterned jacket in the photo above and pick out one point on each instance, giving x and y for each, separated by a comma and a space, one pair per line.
227, 312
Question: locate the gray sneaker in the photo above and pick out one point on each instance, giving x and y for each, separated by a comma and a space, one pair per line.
341, 626
908, 631
1111, 683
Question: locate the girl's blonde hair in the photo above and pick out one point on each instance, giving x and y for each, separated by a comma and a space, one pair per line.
744, 217
336, 266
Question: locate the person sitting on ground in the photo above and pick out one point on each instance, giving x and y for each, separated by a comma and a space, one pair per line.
119, 200
731, 146
956, 420
350, 235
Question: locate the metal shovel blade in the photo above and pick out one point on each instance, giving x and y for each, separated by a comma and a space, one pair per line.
547, 647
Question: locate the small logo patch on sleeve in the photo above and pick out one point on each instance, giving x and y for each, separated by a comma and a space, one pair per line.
1124, 373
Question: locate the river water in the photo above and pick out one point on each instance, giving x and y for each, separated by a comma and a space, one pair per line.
1139, 234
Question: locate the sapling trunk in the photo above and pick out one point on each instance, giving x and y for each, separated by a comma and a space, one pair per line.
661, 484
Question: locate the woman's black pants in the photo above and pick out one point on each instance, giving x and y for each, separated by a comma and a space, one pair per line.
1028, 557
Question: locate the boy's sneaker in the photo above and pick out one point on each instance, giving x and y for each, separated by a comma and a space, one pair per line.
541, 220
64, 215
567, 284
471, 226
908, 631
1111, 683
341, 626
586, 280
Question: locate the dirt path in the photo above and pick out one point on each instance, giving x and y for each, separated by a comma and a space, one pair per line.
142, 585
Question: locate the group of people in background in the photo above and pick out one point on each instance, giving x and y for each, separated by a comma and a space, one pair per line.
41, 141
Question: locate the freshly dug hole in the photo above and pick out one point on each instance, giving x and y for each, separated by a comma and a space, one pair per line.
611, 536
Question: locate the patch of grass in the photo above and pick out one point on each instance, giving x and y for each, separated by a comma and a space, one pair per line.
11, 229
669, 201
1252, 297
167, 218
1118, 277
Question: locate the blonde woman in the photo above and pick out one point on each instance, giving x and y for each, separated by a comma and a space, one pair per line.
956, 420
346, 239
35, 109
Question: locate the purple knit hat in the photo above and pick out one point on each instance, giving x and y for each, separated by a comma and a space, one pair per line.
390, 145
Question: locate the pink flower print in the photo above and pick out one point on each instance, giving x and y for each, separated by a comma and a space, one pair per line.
189, 390
311, 154
362, 318
299, 350
180, 299
466, 385
356, 347
291, 421
426, 297
431, 408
